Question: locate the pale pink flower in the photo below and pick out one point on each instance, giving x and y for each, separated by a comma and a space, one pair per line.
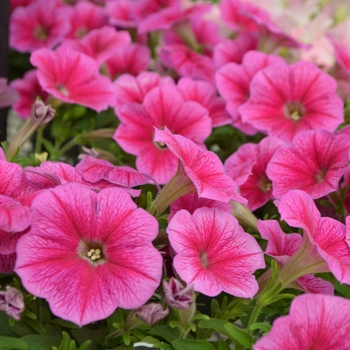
11, 302
191, 202
204, 93
8, 95
285, 100
187, 63
38, 25
132, 59
73, 77
327, 235
201, 167
214, 253
315, 321
88, 253
314, 163
162, 107
257, 187
233, 82
281, 247
101, 43
84, 17
151, 313
134, 89
28, 89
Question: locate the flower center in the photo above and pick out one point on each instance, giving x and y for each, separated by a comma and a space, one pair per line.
40, 33
321, 175
203, 257
265, 184
62, 89
294, 110
92, 252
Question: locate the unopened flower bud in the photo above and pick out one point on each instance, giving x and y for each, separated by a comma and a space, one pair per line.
42, 113
151, 313
176, 295
11, 302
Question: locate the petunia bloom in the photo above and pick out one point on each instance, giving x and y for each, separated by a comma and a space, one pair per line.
88, 253
214, 253
8, 95
285, 100
314, 163
315, 321
73, 77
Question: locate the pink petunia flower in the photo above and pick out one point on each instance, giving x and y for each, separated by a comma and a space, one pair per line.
101, 43
123, 13
281, 247
327, 236
73, 77
132, 59
28, 89
88, 253
257, 187
200, 169
314, 163
84, 17
214, 253
162, 107
233, 82
38, 25
187, 63
134, 89
285, 100
204, 93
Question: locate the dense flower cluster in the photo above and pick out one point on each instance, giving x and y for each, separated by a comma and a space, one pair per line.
221, 168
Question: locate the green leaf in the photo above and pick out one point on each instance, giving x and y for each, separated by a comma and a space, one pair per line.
200, 317
64, 323
5, 328
216, 324
8, 343
40, 342
35, 324
187, 344
65, 341
166, 332
85, 345
260, 325
223, 346
214, 308
343, 289
72, 345
239, 335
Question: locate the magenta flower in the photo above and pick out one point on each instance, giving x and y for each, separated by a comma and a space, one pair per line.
162, 107
132, 59
101, 43
281, 247
134, 89
88, 253
327, 235
315, 321
200, 167
84, 17
286, 100
204, 93
28, 89
38, 25
122, 13
250, 162
214, 253
314, 163
233, 82
73, 77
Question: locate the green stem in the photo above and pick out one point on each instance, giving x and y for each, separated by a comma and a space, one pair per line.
39, 139
65, 148
256, 312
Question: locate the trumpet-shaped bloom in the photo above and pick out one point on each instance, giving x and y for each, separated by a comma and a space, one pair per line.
202, 167
73, 77
250, 162
327, 235
285, 100
28, 89
315, 321
8, 95
281, 247
38, 25
101, 43
314, 163
162, 107
88, 253
214, 253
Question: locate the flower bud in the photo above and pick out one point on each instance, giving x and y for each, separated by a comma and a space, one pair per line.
176, 295
151, 313
11, 302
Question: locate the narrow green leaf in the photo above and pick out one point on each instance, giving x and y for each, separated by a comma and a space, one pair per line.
239, 335
64, 323
41, 342
260, 325
223, 346
35, 324
65, 341
187, 344
85, 345
72, 345
166, 332
9, 343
